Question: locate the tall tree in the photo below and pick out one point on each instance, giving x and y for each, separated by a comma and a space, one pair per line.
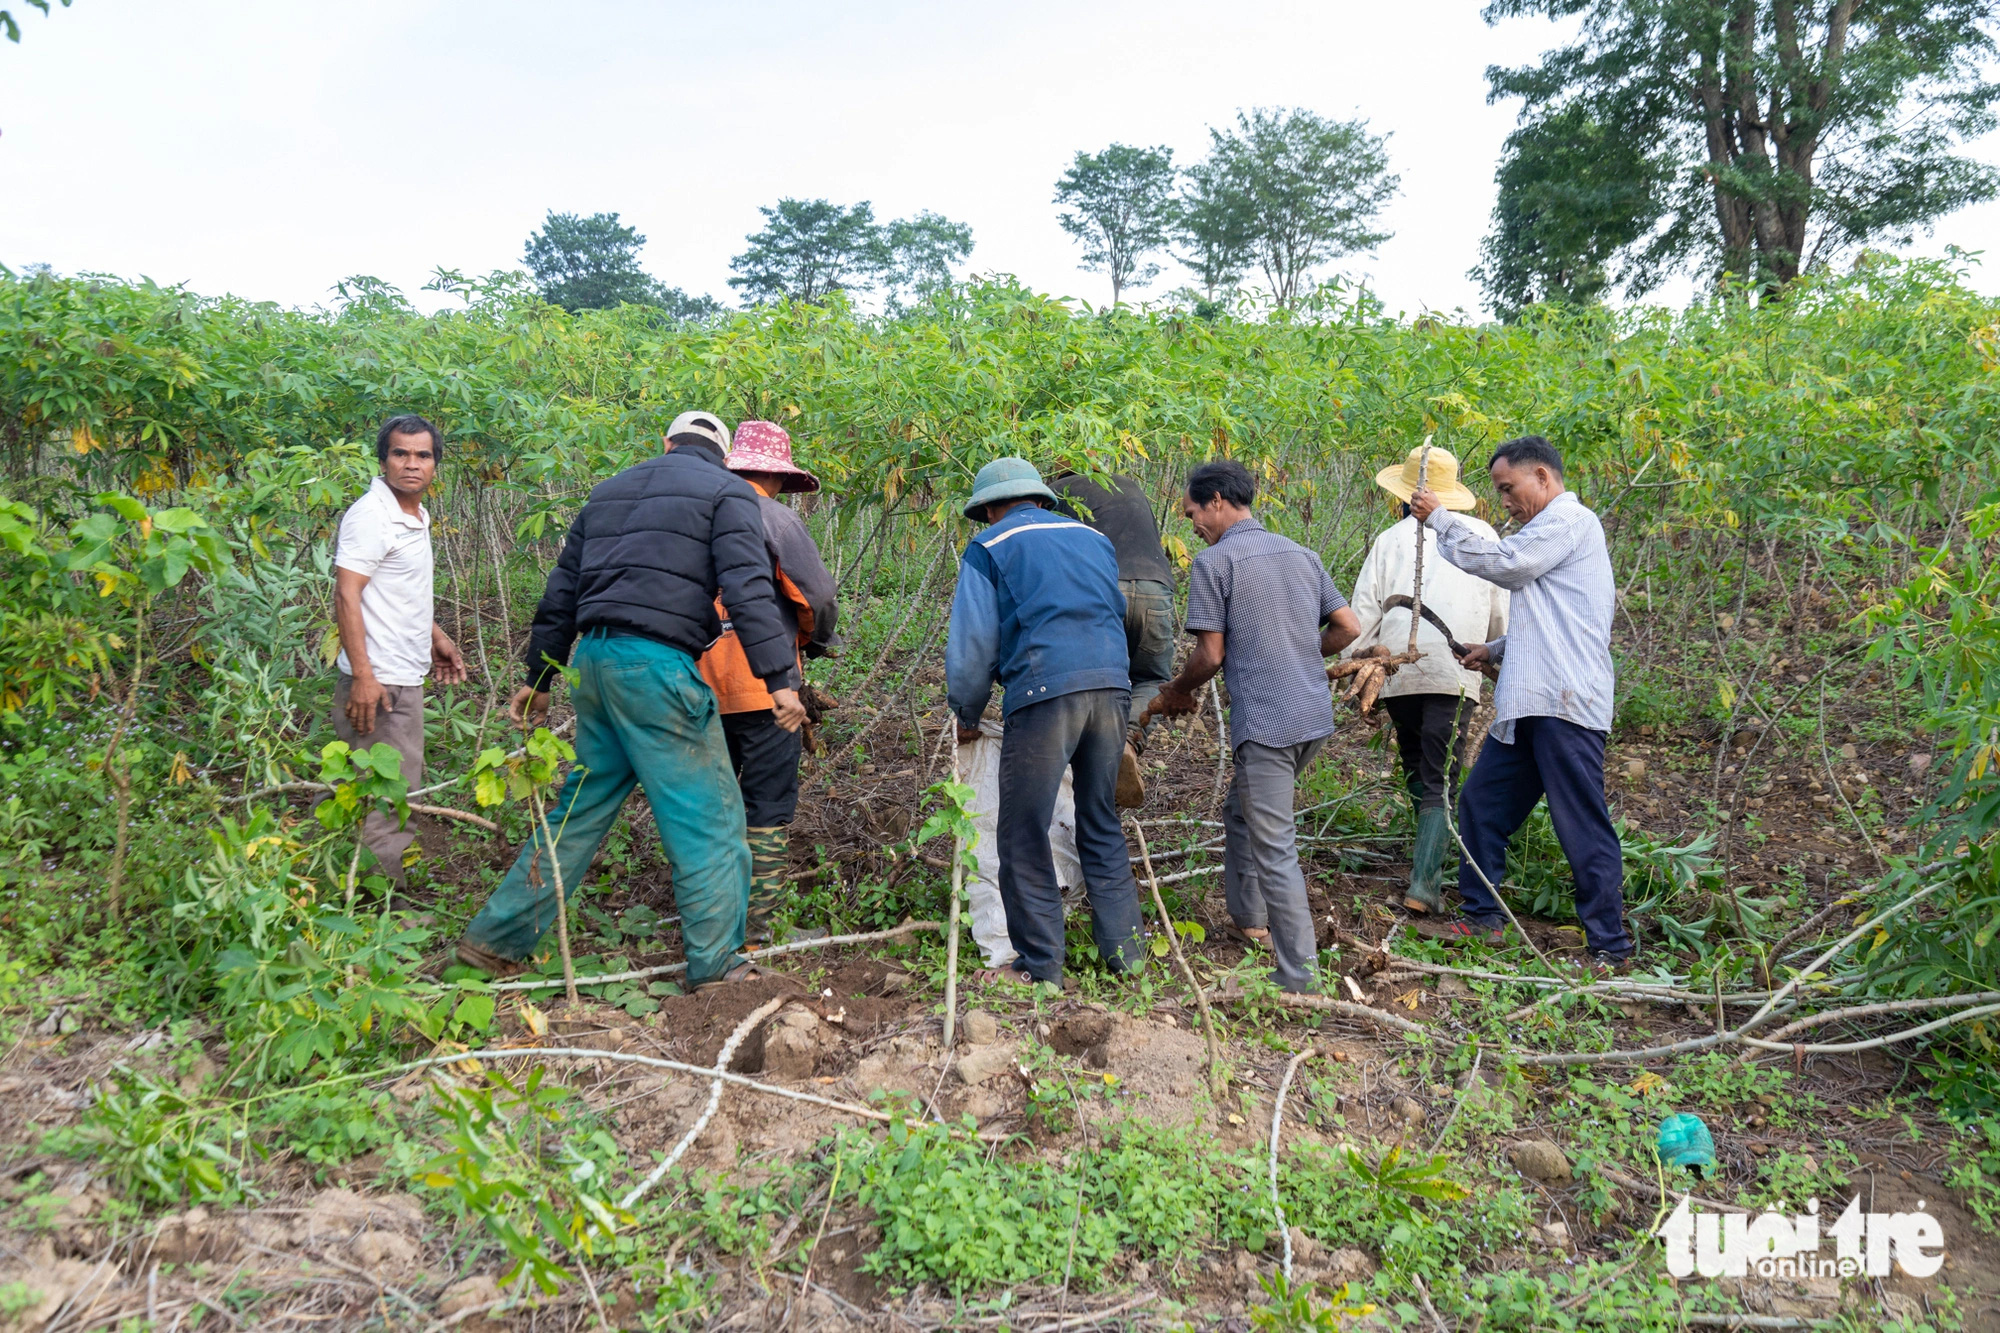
1792, 128
1212, 221
589, 263
922, 250
809, 249
1573, 193
1312, 187
1120, 204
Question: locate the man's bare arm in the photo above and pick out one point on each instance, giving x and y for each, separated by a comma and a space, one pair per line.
366, 695
1176, 697
1342, 628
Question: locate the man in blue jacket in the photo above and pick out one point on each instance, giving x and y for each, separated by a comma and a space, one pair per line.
1038, 608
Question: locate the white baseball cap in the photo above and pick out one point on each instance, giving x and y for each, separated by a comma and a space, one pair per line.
704, 424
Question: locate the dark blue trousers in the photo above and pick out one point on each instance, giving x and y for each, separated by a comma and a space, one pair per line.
1565, 762
1085, 733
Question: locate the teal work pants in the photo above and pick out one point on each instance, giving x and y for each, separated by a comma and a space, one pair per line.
644, 716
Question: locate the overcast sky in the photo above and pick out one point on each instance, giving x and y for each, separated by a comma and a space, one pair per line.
269, 149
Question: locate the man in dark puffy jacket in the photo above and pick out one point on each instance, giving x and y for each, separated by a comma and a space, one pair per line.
637, 581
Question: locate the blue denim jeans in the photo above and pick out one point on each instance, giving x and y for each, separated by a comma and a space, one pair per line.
1566, 762
1085, 733
644, 717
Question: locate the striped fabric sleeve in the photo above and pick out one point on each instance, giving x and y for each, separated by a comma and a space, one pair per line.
1511, 562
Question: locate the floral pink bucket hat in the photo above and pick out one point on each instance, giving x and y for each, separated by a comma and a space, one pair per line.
764, 446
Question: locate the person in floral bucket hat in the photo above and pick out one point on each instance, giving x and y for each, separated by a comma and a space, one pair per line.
764, 755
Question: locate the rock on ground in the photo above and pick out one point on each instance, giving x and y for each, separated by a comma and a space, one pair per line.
1538, 1159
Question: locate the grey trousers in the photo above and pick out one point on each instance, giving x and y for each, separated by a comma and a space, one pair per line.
399, 724
1260, 860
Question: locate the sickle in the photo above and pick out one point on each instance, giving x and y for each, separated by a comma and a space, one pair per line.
1402, 602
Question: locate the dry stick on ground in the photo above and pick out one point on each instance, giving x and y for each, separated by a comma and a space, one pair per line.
1328, 1004
722, 1059
1221, 742
1765, 1011
1218, 1075
670, 969
1834, 778
805, 1283
951, 930
1887, 1007
1277, 1123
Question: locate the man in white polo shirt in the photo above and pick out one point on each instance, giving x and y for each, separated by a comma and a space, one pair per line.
382, 605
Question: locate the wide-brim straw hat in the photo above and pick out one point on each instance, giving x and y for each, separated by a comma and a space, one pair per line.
1006, 479
765, 446
1401, 480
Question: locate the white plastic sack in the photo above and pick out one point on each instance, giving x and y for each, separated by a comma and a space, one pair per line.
979, 768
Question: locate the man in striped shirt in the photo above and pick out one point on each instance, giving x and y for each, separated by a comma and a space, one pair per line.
1264, 612
1553, 701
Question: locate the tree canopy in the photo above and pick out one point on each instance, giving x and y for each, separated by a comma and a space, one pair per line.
1120, 204
1310, 187
592, 263
1757, 138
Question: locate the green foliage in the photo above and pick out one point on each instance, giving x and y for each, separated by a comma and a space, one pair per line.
529, 771
299, 980
810, 249
1758, 140
363, 781
154, 1144
1974, 1155
538, 1191
1572, 193
1306, 1308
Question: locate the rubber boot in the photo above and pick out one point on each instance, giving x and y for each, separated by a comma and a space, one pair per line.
1426, 893
1131, 793
770, 858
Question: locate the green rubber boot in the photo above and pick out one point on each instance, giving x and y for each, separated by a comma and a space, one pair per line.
1426, 893
770, 858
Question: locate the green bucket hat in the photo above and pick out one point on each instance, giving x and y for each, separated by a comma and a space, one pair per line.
1006, 479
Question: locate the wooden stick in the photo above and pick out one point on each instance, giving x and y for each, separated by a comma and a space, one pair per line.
951, 930
1218, 1076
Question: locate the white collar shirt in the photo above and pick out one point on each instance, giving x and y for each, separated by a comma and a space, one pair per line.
1475, 609
392, 550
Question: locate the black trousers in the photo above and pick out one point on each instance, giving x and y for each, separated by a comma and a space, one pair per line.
1565, 762
1430, 734
765, 759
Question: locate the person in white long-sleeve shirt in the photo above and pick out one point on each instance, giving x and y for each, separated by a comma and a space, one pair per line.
1429, 701
1554, 698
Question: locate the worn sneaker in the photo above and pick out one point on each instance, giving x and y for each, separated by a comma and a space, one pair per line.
1607, 964
1464, 930
1131, 784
